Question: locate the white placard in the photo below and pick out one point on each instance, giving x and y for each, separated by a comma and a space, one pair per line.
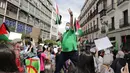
13, 36
103, 43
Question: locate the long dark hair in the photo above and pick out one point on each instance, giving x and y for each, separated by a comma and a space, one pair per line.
86, 62
7, 59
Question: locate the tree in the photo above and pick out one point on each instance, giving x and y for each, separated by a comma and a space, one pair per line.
50, 42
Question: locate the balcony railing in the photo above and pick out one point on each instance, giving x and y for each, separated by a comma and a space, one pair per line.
95, 12
111, 27
92, 29
121, 1
103, 13
111, 7
123, 23
103, 30
15, 2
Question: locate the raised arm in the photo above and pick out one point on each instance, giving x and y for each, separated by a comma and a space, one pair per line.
71, 18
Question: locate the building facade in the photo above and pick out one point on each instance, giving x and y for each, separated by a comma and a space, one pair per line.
113, 18
54, 27
89, 20
27, 16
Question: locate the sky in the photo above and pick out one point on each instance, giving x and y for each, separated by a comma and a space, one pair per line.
64, 5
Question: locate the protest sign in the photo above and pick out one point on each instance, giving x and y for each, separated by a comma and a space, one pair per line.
103, 43
13, 36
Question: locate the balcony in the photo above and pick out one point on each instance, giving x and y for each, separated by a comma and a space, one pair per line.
111, 28
89, 30
92, 29
86, 31
123, 23
11, 11
103, 13
111, 7
92, 15
23, 16
103, 29
96, 28
15, 2
24, 5
119, 2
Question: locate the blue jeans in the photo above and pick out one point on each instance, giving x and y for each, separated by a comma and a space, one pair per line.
64, 56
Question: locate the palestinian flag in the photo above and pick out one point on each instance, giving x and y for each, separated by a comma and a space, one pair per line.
33, 65
4, 32
79, 31
116, 46
58, 16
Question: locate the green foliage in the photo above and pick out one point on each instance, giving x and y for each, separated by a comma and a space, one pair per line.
25, 35
11, 28
50, 41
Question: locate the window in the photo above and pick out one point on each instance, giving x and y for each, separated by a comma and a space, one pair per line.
23, 15
125, 42
94, 22
97, 21
125, 13
11, 24
2, 4
113, 23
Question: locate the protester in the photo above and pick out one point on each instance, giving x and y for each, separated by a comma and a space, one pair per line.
85, 64
100, 60
31, 50
68, 44
7, 59
42, 58
17, 44
95, 57
119, 62
107, 61
48, 62
53, 61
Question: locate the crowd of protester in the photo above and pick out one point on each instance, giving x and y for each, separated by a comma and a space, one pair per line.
24, 56
14, 54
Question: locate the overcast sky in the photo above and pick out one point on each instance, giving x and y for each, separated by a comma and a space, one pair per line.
64, 5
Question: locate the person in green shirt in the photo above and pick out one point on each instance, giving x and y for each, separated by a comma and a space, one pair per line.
69, 45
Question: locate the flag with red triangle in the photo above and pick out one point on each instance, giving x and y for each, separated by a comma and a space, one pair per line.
4, 32
58, 16
79, 31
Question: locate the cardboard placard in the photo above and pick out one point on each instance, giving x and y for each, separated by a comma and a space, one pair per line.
103, 43
14, 35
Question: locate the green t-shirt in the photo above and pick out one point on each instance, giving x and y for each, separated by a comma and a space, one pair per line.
69, 42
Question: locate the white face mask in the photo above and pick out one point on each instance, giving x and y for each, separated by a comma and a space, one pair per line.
67, 27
